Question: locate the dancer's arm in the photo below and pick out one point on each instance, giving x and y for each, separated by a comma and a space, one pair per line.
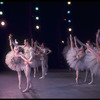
31, 54
25, 59
49, 51
97, 44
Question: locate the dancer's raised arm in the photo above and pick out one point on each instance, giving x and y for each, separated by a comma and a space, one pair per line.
97, 36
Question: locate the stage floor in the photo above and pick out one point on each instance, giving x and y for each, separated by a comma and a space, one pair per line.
58, 84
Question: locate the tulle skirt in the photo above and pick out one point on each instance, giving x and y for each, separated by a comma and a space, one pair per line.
92, 63
73, 61
64, 52
13, 62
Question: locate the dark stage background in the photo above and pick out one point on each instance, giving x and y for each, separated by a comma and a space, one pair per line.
85, 22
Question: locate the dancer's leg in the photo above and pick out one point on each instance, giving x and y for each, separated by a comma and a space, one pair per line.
77, 74
28, 77
46, 66
35, 72
91, 77
19, 78
43, 69
86, 76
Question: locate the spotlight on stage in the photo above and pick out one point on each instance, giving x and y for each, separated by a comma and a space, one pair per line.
64, 19
68, 12
37, 18
70, 29
69, 3
1, 13
3, 23
62, 41
1, 3
36, 8
37, 27
69, 21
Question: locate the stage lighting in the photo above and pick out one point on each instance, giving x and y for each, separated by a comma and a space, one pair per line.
62, 41
3, 23
70, 29
37, 27
68, 12
68, 2
1, 3
37, 18
1, 13
69, 21
36, 8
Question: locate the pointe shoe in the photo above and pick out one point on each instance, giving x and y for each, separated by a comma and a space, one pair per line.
34, 76
20, 88
30, 86
41, 77
76, 81
91, 82
25, 90
45, 73
84, 81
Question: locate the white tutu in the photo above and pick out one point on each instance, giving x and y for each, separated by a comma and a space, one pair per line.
92, 63
14, 63
73, 61
65, 50
35, 63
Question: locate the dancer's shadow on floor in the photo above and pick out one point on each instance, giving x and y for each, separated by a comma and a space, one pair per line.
31, 93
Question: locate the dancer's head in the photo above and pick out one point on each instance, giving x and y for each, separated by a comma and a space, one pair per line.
26, 42
42, 45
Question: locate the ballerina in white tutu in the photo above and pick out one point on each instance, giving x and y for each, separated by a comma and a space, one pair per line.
93, 59
75, 57
36, 58
15, 60
87, 60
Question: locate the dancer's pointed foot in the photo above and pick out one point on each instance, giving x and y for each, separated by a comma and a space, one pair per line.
41, 77
84, 81
45, 73
76, 81
25, 90
30, 86
20, 88
90, 82
34, 76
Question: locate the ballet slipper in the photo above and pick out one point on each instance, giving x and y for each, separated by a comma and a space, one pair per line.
25, 90
20, 88
90, 83
34, 76
41, 77
45, 73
